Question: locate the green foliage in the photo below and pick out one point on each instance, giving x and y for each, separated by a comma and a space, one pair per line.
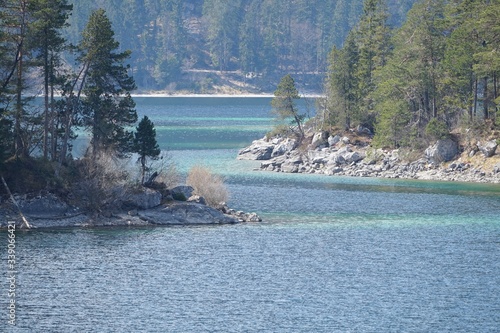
284, 105
145, 143
437, 129
271, 37
108, 106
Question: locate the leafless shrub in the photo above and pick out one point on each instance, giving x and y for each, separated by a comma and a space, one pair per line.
161, 171
208, 185
104, 182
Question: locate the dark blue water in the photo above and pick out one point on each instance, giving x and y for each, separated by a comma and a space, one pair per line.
336, 254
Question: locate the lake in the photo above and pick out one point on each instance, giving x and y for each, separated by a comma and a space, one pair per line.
335, 254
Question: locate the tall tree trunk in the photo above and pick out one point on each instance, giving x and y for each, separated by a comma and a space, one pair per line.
46, 101
71, 104
495, 91
475, 98
53, 125
485, 98
19, 149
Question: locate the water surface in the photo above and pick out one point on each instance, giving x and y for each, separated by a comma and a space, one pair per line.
335, 254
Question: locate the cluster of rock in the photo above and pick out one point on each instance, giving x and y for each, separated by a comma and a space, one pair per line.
337, 155
145, 206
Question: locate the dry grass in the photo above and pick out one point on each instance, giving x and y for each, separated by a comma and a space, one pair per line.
208, 185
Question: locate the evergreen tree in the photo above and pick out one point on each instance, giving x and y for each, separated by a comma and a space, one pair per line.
460, 81
372, 38
107, 106
487, 57
343, 84
223, 17
145, 143
284, 105
415, 71
45, 34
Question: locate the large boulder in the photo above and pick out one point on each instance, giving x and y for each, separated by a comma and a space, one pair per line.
353, 157
488, 148
258, 150
146, 198
47, 205
333, 140
182, 193
443, 151
283, 146
320, 139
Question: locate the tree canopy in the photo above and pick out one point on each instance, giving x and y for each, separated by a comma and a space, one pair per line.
284, 105
420, 81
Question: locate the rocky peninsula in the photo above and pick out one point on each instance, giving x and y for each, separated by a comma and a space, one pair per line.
147, 207
351, 154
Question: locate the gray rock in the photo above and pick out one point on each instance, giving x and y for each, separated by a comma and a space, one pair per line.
319, 139
179, 191
258, 150
186, 213
290, 167
44, 206
333, 140
363, 130
197, 199
353, 157
147, 198
496, 168
283, 146
443, 151
488, 148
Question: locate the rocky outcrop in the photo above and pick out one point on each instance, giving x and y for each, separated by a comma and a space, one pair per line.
488, 148
144, 198
258, 150
45, 206
442, 151
338, 155
182, 193
185, 213
144, 208
264, 149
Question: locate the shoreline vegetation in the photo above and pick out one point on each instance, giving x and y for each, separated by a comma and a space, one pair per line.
118, 203
350, 153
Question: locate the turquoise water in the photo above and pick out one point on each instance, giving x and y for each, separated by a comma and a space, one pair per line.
335, 254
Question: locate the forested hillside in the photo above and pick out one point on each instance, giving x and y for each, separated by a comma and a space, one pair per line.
181, 45
436, 74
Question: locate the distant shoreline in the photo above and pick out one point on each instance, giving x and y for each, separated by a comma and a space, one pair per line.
141, 95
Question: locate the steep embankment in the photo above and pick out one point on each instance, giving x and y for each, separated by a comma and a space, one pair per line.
351, 154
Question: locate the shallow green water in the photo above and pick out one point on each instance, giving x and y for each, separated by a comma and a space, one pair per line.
336, 254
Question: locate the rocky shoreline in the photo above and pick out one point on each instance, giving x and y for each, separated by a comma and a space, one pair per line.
147, 208
352, 155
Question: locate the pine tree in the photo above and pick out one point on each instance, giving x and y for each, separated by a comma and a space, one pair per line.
45, 35
414, 71
372, 39
284, 105
107, 106
343, 93
145, 143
